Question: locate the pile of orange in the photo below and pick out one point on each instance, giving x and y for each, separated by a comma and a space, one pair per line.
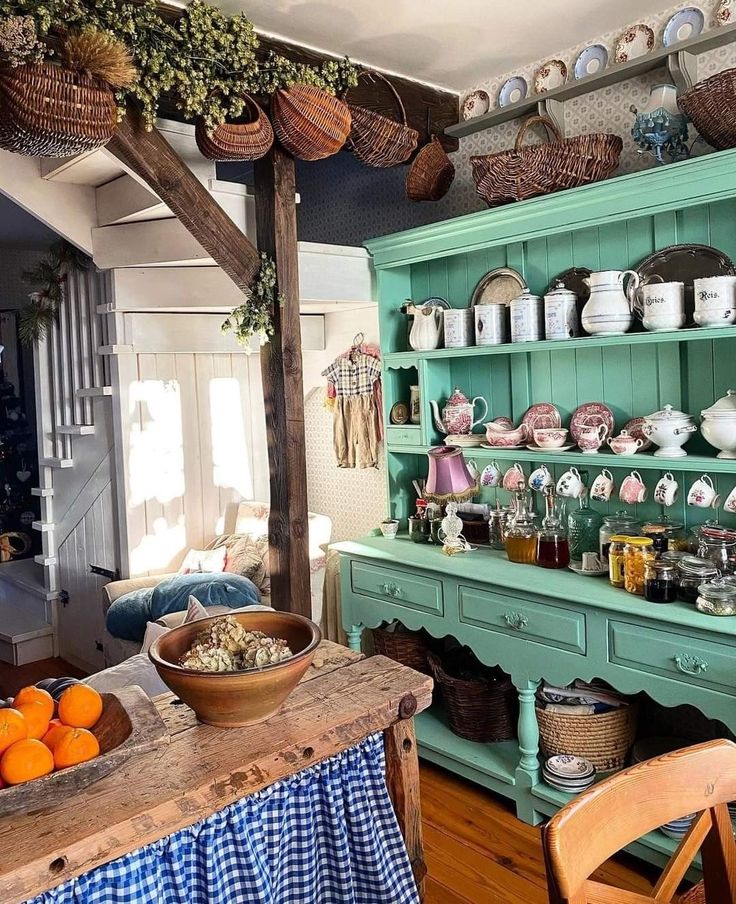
38, 736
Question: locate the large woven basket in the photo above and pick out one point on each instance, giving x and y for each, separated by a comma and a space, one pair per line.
410, 648
711, 105
49, 111
482, 707
237, 140
430, 174
310, 123
377, 140
603, 738
543, 168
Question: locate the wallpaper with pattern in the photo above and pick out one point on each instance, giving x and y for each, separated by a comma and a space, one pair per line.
346, 203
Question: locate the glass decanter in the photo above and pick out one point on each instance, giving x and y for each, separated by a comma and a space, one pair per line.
583, 529
521, 533
553, 549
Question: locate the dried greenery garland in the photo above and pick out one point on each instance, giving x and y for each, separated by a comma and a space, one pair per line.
203, 60
48, 278
254, 317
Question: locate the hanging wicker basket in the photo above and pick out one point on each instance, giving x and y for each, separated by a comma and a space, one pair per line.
377, 140
603, 738
711, 105
237, 140
430, 174
47, 110
310, 123
538, 170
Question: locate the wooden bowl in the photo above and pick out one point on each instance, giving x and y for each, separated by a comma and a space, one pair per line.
232, 699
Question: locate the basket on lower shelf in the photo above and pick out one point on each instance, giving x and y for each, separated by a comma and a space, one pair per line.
481, 702
410, 648
603, 738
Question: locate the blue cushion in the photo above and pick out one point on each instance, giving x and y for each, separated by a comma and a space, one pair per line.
128, 616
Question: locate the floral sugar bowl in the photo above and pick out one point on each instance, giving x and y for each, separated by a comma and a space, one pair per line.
719, 425
457, 415
669, 429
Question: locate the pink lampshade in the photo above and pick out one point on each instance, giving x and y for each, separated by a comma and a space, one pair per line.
449, 478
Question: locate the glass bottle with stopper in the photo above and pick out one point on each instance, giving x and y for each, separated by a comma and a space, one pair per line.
521, 533
553, 549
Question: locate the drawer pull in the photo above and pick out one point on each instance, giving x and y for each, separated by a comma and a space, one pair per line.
515, 620
690, 665
391, 589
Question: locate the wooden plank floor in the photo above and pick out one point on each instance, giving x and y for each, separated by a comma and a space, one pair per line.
478, 852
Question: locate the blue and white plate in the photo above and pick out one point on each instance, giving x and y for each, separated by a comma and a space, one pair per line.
687, 23
512, 91
591, 61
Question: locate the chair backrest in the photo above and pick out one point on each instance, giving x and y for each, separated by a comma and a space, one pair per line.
619, 810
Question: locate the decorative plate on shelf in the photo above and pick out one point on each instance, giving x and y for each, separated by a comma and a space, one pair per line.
591, 414
541, 416
435, 301
634, 42
476, 104
591, 61
499, 286
551, 74
634, 428
574, 280
687, 23
725, 12
512, 91
399, 413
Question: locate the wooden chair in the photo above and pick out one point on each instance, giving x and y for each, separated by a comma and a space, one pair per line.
619, 810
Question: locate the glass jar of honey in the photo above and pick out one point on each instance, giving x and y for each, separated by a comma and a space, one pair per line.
637, 552
616, 559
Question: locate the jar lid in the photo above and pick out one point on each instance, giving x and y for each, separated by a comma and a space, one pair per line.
620, 518
662, 567
693, 565
559, 290
654, 527
639, 542
668, 413
724, 407
717, 590
620, 538
675, 556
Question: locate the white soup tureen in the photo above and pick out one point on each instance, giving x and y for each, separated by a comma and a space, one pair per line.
669, 429
719, 425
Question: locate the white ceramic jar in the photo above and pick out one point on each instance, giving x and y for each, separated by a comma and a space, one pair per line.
490, 324
719, 425
458, 327
527, 318
669, 429
561, 313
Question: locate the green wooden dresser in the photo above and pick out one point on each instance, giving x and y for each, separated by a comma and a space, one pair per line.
533, 623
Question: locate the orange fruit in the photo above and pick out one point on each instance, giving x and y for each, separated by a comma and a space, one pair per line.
56, 731
37, 720
77, 745
12, 728
35, 695
25, 760
80, 706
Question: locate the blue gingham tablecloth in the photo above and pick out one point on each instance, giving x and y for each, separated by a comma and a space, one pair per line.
327, 835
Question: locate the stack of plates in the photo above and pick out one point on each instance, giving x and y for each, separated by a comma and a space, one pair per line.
571, 774
677, 828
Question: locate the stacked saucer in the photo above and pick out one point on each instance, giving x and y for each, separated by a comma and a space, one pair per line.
677, 828
571, 774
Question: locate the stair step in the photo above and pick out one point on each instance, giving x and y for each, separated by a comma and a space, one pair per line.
76, 429
57, 463
24, 636
43, 526
45, 560
94, 392
42, 491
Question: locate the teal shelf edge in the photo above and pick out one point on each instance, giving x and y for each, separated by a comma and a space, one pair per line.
693, 334
640, 461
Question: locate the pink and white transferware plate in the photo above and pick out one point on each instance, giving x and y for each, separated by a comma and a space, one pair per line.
567, 766
591, 414
540, 416
557, 449
550, 75
634, 428
476, 104
634, 42
504, 448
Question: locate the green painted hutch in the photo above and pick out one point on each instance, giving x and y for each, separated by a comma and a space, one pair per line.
533, 623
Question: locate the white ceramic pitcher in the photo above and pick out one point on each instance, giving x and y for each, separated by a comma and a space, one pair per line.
608, 310
426, 328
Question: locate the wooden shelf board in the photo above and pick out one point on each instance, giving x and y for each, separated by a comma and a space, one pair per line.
692, 334
611, 75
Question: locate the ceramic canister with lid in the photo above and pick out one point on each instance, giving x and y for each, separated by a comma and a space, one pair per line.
527, 318
490, 324
458, 327
719, 424
561, 313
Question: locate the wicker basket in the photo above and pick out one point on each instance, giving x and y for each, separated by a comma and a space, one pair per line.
480, 708
310, 123
712, 107
377, 140
237, 140
430, 174
410, 648
49, 111
603, 738
543, 168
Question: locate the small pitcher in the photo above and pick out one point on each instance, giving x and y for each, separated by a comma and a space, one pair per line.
608, 310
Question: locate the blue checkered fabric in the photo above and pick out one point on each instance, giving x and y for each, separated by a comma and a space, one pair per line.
327, 835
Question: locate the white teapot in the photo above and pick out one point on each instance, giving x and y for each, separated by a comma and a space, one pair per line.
608, 310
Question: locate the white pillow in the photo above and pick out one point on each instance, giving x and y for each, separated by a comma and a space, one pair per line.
208, 560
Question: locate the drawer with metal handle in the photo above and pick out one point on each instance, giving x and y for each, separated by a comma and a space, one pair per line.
411, 590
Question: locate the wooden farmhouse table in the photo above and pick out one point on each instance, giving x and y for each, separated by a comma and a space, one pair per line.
343, 699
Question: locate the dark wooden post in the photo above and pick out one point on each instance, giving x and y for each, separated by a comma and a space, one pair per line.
281, 370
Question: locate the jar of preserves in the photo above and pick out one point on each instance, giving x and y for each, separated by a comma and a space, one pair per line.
717, 597
666, 534
618, 523
616, 559
637, 552
691, 573
660, 581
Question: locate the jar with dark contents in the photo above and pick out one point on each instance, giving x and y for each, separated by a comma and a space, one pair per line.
660, 582
657, 533
691, 573
637, 552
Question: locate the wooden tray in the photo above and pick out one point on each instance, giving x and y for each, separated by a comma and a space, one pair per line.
130, 725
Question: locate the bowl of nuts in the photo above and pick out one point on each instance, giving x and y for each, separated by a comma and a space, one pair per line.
237, 669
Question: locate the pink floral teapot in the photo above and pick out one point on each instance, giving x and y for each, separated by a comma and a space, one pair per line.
457, 415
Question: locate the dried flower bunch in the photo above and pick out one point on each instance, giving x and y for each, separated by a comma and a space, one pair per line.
19, 41
255, 316
226, 646
101, 56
